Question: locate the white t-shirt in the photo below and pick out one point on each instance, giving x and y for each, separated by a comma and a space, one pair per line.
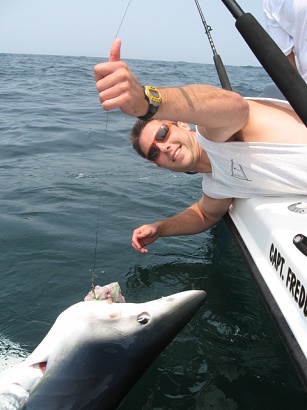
249, 169
286, 22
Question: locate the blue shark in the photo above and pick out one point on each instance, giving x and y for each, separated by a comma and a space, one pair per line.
95, 352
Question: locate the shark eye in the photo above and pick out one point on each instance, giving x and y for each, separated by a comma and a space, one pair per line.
143, 318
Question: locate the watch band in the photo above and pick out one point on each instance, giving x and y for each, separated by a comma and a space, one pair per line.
154, 99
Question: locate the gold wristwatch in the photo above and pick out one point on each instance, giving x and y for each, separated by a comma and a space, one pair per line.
154, 99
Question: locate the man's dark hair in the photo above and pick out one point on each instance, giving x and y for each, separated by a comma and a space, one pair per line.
136, 134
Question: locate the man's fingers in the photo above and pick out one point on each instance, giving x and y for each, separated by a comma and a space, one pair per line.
115, 50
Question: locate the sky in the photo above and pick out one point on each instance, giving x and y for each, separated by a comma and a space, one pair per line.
169, 30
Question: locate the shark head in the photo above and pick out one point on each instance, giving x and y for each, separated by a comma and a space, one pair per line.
95, 352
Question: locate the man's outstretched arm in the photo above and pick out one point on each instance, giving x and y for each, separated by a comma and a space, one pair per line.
197, 218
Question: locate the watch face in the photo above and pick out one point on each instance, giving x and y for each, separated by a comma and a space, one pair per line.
154, 93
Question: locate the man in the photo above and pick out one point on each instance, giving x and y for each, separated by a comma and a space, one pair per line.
225, 120
286, 22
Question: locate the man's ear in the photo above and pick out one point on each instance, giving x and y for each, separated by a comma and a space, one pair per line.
183, 125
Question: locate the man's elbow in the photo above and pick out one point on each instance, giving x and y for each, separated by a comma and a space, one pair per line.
242, 109
245, 107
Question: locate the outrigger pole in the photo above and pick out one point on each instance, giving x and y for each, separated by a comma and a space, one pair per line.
272, 59
220, 68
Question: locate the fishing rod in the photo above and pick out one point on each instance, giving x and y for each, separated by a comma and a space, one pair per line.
272, 59
220, 68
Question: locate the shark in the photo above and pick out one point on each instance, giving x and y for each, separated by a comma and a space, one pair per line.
95, 352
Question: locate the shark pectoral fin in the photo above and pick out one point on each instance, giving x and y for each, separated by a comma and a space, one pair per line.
29, 376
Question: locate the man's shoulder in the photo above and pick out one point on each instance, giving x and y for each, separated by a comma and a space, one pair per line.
271, 101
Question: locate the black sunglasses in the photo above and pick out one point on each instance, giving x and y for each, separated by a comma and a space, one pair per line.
161, 135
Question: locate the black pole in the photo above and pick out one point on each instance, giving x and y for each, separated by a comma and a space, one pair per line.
273, 60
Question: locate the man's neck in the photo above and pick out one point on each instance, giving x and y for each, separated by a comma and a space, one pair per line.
204, 164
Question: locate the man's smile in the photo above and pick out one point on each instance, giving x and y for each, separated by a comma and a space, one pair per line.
177, 151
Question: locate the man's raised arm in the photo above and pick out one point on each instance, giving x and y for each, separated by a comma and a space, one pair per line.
219, 113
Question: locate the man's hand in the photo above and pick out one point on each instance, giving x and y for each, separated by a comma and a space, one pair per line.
143, 236
117, 85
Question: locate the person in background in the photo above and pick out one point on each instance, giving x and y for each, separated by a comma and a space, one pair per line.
286, 23
243, 147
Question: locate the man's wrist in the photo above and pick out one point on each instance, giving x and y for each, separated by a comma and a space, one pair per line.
153, 96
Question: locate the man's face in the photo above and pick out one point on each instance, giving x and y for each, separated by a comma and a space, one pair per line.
178, 151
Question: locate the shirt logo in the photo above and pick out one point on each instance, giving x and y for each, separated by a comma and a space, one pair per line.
237, 171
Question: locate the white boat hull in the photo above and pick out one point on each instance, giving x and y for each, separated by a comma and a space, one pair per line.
269, 230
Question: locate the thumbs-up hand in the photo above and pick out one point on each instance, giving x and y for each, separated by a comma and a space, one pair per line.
117, 85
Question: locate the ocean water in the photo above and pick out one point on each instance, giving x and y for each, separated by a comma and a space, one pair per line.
60, 155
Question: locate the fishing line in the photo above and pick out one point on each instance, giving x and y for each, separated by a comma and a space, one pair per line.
123, 18
101, 178
99, 207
